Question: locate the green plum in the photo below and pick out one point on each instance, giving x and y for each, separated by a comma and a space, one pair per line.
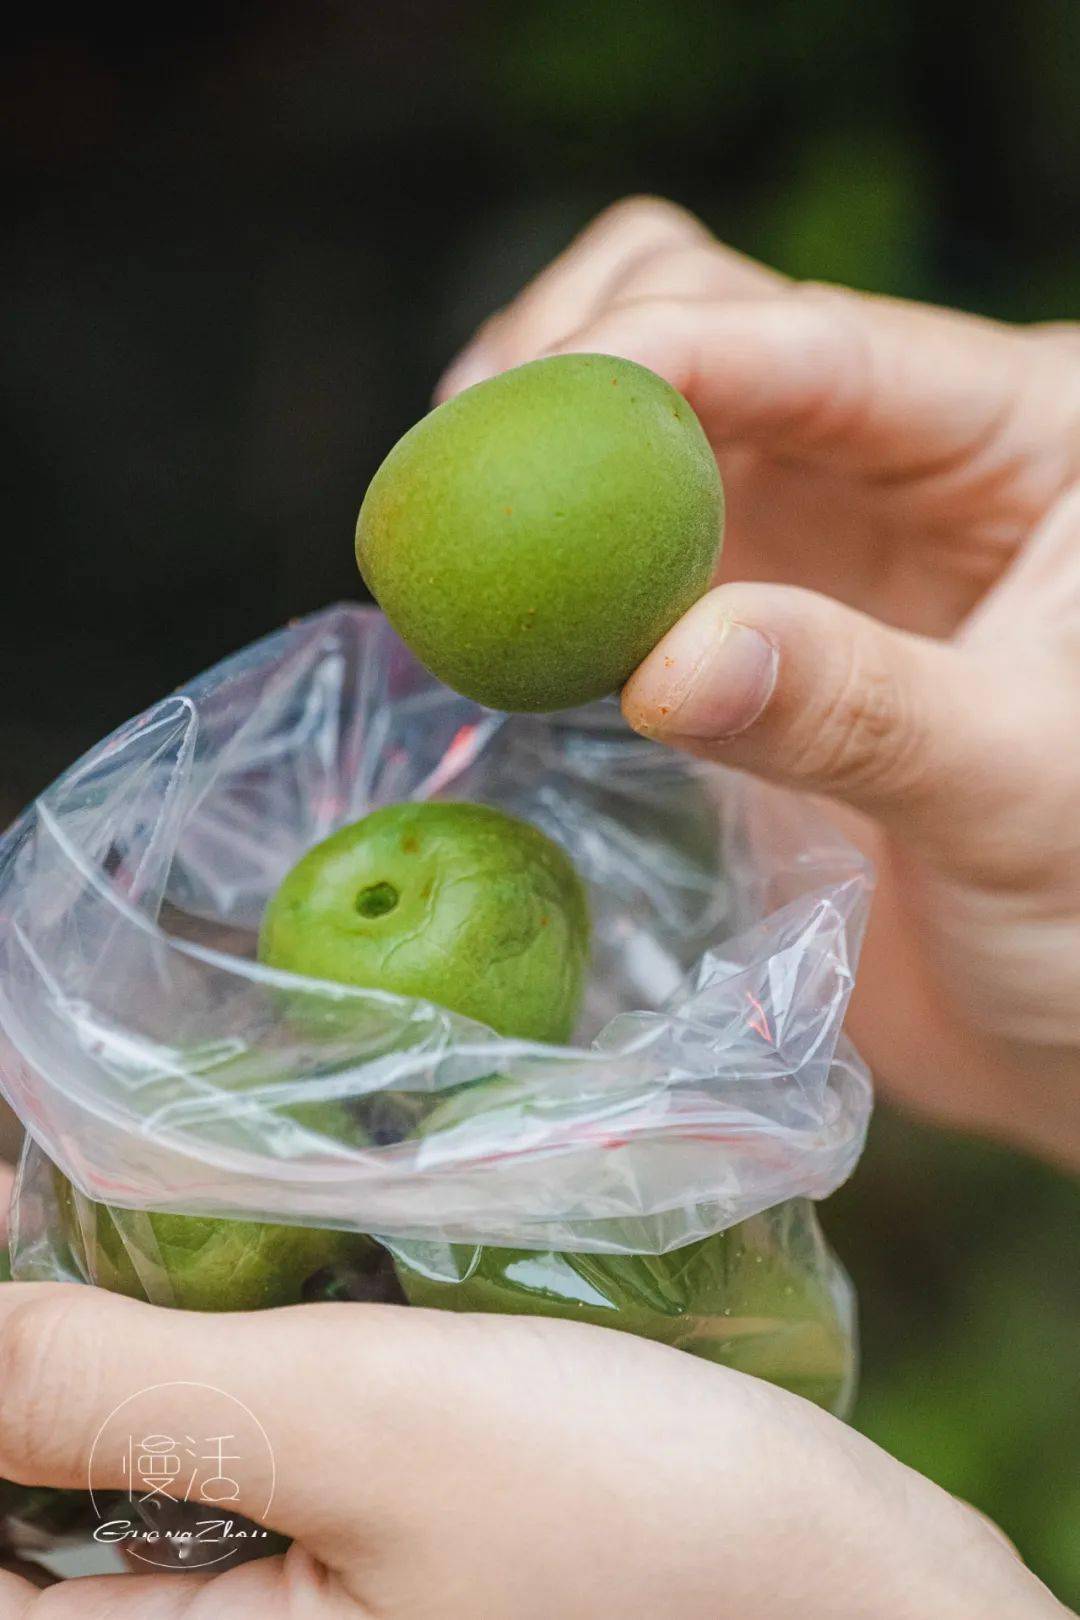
200, 1263
535, 537
456, 903
739, 1298
762, 1297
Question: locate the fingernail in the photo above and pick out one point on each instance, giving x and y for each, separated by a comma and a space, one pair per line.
705, 681
472, 365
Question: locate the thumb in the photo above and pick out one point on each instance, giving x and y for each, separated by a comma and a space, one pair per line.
801, 690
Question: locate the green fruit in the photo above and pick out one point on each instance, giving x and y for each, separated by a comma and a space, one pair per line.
763, 1297
534, 538
741, 1299
455, 903
198, 1263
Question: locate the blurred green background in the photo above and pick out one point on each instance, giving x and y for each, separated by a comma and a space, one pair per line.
239, 246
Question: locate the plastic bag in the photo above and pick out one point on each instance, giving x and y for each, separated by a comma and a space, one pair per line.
161, 1068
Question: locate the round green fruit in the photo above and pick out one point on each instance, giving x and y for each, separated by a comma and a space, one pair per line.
744, 1298
455, 903
764, 1297
535, 537
199, 1263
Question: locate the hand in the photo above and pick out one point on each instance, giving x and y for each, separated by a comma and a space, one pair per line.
921, 470
442, 1465
33, 1573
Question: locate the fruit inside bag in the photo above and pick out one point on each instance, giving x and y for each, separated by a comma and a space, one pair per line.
765, 1297
208, 1130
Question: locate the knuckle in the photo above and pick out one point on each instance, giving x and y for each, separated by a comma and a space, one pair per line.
673, 269
1056, 332
824, 292
24, 1341
861, 738
35, 1348
643, 215
642, 309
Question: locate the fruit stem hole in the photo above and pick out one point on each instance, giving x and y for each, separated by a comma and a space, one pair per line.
377, 899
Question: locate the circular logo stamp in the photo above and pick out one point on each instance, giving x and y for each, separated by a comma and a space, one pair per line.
193, 1487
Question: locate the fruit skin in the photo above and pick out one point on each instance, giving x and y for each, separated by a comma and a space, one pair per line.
198, 1263
740, 1299
490, 918
535, 537
764, 1297
468, 907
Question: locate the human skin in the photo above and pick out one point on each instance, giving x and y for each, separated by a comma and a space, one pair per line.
897, 626
526, 1468
435, 1466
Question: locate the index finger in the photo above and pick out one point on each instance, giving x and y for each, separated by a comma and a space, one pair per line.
86, 1374
618, 247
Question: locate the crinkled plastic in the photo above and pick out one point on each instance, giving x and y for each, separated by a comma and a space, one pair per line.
161, 1067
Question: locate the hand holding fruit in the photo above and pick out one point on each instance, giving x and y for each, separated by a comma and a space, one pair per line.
921, 471
436, 1465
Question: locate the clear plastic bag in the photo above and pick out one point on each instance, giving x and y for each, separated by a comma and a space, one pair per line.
161, 1068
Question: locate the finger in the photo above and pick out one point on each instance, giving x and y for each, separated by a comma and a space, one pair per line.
692, 270
642, 244
29, 1574
571, 287
873, 386
989, 1524
266, 1589
801, 690
1042, 587
84, 1372
110, 1597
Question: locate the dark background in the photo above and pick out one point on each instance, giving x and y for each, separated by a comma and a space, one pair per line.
237, 252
